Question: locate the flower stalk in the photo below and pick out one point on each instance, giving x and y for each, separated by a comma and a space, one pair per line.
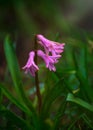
36, 77
50, 55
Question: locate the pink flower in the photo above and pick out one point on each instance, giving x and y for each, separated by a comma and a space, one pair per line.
50, 57
30, 66
50, 46
49, 60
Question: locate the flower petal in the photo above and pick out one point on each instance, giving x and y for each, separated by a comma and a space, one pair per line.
30, 66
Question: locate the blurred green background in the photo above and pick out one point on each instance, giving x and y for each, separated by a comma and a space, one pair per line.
64, 19
67, 93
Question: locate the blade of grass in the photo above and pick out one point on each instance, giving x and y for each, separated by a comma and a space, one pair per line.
59, 114
72, 98
22, 107
13, 66
14, 100
16, 120
82, 74
73, 122
15, 72
16, 77
79, 117
52, 95
87, 121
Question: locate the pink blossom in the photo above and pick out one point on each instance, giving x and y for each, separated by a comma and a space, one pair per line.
49, 60
50, 46
30, 66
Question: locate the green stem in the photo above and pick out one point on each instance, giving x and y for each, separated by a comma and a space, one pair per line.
36, 78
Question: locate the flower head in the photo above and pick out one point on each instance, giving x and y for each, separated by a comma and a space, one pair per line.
51, 55
49, 60
50, 46
30, 66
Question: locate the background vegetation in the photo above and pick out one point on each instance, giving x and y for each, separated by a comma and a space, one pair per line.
67, 94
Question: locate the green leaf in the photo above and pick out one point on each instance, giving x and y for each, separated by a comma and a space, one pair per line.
82, 74
53, 93
16, 77
59, 114
87, 121
15, 72
74, 121
13, 66
14, 119
14, 100
22, 107
72, 98
84, 117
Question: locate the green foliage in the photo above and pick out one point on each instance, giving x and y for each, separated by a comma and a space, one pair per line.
67, 96
80, 102
22, 101
13, 119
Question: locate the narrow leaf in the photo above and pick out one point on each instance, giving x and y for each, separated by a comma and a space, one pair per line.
13, 66
15, 72
14, 100
52, 95
72, 98
16, 120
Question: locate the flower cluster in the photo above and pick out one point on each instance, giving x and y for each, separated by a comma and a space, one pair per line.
30, 66
51, 55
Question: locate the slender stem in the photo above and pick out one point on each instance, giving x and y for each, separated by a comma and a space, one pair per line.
36, 78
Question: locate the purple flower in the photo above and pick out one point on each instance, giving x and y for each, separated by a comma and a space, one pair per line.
49, 60
30, 66
50, 57
50, 46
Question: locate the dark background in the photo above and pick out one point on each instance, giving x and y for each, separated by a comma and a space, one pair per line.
22, 19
